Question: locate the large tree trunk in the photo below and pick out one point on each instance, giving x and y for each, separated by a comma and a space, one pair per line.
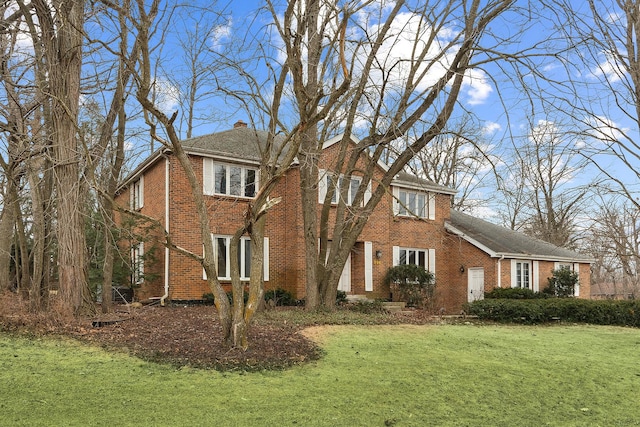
62, 37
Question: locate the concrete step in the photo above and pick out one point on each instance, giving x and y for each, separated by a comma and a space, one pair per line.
394, 306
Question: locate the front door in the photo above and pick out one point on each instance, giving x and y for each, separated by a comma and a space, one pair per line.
345, 278
476, 284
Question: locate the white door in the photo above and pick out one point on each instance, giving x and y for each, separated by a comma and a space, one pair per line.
345, 278
475, 284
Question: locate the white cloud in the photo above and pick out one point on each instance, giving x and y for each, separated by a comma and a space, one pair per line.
167, 96
479, 87
220, 33
491, 127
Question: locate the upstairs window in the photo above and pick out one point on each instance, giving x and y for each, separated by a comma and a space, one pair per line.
229, 180
331, 181
414, 203
137, 194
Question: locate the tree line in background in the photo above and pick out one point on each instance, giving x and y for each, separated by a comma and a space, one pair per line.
87, 87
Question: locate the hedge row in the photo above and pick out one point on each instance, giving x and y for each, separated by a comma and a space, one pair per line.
533, 311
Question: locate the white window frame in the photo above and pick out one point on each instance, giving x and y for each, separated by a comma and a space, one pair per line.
572, 266
518, 278
429, 257
210, 168
137, 263
326, 181
402, 207
245, 259
137, 194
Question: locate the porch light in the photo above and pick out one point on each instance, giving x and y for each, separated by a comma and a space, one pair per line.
462, 269
378, 254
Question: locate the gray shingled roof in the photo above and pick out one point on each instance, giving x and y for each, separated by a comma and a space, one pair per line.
239, 143
415, 181
503, 241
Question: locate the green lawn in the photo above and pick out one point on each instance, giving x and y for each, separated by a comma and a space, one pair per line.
452, 375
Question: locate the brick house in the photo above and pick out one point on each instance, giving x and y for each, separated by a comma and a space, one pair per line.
419, 229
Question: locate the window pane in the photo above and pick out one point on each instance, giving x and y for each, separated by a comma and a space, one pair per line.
525, 275
235, 181
518, 275
421, 212
331, 186
422, 259
403, 257
353, 190
222, 257
412, 257
402, 196
250, 183
247, 258
412, 203
221, 179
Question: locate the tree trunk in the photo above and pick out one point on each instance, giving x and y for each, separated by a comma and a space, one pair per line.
63, 49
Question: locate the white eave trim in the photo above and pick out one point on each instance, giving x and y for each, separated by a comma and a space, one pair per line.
423, 187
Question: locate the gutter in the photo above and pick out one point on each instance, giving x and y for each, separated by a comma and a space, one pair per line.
500, 271
166, 226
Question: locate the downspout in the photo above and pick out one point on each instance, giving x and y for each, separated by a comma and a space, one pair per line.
500, 271
166, 226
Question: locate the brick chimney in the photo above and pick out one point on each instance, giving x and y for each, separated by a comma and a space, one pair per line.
239, 124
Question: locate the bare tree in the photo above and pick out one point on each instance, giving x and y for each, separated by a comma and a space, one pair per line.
347, 72
540, 191
615, 245
462, 158
598, 85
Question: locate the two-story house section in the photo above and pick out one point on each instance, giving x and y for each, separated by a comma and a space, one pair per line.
412, 224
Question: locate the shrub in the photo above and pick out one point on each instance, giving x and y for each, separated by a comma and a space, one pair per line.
513, 293
280, 297
415, 284
599, 312
367, 307
562, 283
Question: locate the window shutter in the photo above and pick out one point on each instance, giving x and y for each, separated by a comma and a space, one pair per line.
536, 276
396, 255
140, 260
513, 274
432, 261
368, 266
141, 192
576, 289
322, 185
265, 261
396, 205
207, 177
432, 205
132, 190
367, 193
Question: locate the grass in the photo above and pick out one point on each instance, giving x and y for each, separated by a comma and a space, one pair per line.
451, 375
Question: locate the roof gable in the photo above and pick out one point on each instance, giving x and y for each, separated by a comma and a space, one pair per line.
500, 241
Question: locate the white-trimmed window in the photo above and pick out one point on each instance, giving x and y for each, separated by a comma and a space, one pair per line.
222, 257
137, 194
571, 266
229, 179
425, 258
332, 181
414, 203
522, 274
137, 263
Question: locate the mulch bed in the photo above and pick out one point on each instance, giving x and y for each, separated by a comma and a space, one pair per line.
179, 335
